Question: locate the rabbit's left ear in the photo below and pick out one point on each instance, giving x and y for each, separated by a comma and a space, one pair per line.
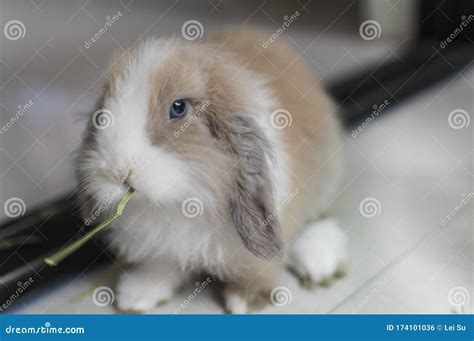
251, 199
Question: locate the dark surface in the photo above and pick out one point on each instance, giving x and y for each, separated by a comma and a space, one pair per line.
440, 19
397, 79
40, 233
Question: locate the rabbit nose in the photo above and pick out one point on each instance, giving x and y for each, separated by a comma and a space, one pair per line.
126, 180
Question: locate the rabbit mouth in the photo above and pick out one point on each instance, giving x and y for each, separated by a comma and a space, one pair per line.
126, 181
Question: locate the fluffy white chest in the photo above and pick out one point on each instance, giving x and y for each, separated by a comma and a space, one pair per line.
194, 242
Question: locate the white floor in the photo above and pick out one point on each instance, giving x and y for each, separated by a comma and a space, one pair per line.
411, 161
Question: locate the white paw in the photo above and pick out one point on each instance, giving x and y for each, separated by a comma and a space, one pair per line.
246, 299
235, 302
320, 251
144, 289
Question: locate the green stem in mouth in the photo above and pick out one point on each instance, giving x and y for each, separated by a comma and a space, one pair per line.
59, 256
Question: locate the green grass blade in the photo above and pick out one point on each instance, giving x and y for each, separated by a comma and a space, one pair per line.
55, 259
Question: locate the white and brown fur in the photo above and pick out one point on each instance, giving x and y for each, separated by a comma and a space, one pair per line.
229, 157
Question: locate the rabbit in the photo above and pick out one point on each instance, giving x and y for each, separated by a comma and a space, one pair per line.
233, 150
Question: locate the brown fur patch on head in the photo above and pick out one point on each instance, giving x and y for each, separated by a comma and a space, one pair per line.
177, 77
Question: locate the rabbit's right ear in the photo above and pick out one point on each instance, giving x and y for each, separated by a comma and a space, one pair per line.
251, 198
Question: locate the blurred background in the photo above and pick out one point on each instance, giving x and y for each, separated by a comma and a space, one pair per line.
400, 71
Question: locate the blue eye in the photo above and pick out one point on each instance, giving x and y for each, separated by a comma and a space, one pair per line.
178, 108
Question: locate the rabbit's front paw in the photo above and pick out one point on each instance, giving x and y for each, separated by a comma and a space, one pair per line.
244, 299
146, 287
235, 302
319, 254
136, 296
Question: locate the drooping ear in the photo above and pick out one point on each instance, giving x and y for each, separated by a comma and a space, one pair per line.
251, 198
